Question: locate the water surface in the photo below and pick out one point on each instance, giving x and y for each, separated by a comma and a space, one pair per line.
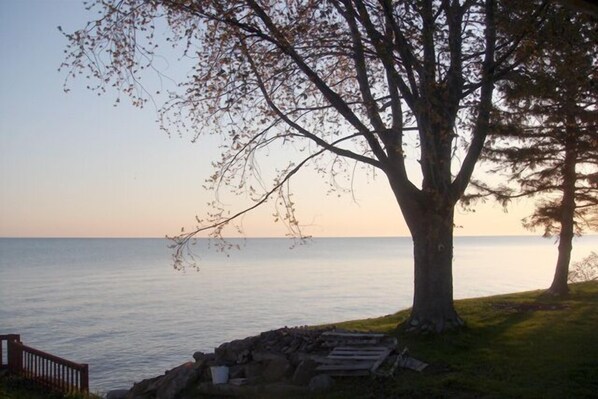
118, 305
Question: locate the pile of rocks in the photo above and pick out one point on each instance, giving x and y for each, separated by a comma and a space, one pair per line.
275, 362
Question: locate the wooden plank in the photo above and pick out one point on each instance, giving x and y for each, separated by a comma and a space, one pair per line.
413, 364
361, 348
354, 353
381, 360
345, 366
348, 354
354, 357
371, 355
332, 344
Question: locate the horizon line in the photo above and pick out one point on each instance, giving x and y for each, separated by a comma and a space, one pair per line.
270, 237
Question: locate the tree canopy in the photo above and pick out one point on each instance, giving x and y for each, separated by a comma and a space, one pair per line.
344, 82
546, 140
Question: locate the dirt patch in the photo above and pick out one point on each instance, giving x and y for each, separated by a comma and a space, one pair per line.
528, 307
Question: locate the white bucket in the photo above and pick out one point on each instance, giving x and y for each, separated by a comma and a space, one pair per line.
219, 374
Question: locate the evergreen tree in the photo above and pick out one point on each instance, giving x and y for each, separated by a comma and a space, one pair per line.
545, 135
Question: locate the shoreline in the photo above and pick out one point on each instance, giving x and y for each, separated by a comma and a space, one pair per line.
506, 333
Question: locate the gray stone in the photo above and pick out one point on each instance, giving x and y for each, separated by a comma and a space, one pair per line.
304, 372
276, 369
203, 360
253, 369
167, 386
117, 394
320, 383
176, 380
228, 353
237, 371
260, 356
244, 356
200, 356
144, 389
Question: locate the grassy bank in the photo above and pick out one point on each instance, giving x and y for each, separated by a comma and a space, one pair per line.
18, 388
523, 345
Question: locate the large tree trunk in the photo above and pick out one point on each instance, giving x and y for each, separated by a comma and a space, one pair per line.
433, 308
432, 233
559, 285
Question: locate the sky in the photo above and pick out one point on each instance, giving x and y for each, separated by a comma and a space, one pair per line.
74, 165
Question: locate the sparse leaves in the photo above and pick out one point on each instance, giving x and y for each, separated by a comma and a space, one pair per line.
341, 83
584, 270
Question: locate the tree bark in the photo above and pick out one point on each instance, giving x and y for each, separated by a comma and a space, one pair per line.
559, 285
433, 309
430, 220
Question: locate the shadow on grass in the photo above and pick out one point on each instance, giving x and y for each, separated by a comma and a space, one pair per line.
529, 346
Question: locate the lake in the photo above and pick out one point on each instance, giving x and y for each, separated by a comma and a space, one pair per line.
119, 305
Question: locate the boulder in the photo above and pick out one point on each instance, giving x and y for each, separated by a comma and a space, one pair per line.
237, 371
167, 386
144, 389
244, 357
320, 383
229, 352
260, 356
253, 370
276, 369
176, 380
203, 360
304, 372
117, 394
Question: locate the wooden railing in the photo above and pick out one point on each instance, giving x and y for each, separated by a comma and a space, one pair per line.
43, 368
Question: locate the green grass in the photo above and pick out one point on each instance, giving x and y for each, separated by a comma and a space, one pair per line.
524, 345
19, 388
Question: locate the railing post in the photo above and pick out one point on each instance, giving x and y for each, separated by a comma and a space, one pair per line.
14, 353
43, 368
84, 375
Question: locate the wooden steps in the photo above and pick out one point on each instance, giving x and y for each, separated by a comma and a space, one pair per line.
354, 354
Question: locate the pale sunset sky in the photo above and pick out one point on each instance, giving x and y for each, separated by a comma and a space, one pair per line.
74, 165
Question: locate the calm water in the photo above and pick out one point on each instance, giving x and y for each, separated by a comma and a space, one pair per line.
118, 305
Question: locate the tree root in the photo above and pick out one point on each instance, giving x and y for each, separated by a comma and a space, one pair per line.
432, 325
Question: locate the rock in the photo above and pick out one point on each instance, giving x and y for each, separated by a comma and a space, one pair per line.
304, 372
144, 389
228, 353
117, 394
260, 356
203, 360
320, 383
237, 371
176, 380
253, 369
167, 386
244, 357
200, 356
284, 360
276, 369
